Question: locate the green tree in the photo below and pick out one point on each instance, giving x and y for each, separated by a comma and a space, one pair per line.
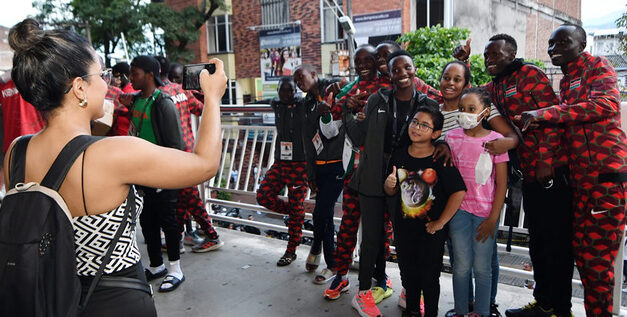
104, 22
181, 27
622, 23
432, 47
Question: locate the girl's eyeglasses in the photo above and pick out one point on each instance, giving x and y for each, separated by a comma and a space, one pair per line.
420, 125
105, 75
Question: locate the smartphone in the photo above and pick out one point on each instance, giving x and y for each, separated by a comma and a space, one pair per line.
191, 75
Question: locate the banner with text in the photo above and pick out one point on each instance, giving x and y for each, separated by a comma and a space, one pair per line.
280, 54
379, 24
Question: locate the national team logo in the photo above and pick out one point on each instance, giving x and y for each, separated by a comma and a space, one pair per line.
575, 83
510, 91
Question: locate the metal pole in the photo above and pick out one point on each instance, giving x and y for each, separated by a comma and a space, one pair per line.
351, 43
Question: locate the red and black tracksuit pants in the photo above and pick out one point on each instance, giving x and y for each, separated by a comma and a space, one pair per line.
189, 203
598, 227
347, 236
292, 175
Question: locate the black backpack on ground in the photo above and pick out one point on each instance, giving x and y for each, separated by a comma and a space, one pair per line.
38, 274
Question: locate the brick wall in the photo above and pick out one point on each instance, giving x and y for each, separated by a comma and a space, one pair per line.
365, 6
246, 42
308, 12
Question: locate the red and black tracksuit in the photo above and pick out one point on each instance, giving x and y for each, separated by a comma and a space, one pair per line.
524, 87
347, 235
188, 200
589, 109
287, 170
121, 115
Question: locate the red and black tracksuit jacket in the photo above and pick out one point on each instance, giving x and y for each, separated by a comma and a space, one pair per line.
524, 87
187, 105
120, 112
589, 110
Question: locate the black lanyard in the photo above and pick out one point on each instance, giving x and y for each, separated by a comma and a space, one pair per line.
395, 132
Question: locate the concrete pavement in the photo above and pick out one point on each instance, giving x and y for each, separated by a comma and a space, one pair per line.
242, 279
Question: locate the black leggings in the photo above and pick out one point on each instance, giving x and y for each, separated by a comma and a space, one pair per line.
110, 301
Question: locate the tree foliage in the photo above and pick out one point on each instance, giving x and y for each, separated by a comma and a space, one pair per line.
622, 23
181, 27
104, 22
432, 47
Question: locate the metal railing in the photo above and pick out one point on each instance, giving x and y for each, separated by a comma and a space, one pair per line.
249, 150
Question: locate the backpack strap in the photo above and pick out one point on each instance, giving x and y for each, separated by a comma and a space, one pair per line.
129, 210
17, 161
62, 164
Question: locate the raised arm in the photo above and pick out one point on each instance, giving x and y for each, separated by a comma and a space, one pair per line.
601, 102
135, 161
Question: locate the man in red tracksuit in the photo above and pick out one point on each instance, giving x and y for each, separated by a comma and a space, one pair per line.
369, 83
589, 109
188, 201
516, 87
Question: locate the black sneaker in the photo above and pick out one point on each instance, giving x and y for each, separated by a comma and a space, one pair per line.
530, 310
494, 310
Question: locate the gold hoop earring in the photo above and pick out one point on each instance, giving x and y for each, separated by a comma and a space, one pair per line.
83, 103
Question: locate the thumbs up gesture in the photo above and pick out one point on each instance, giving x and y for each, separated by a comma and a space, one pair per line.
462, 52
391, 182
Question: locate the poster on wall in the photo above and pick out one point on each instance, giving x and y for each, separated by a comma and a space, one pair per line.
280, 55
377, 26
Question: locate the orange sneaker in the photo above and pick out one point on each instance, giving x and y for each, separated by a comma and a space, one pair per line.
363, 302
336, 288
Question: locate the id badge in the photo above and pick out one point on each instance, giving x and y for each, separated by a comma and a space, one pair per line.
286, 151
132, 131
317, 142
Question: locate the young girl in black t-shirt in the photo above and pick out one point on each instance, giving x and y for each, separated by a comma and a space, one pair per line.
423, 195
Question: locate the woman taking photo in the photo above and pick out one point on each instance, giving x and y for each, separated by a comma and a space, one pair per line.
60, 74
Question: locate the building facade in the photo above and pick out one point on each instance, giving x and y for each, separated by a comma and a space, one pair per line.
260, 40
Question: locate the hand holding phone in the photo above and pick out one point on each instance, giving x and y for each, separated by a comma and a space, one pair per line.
191, 75
213, 85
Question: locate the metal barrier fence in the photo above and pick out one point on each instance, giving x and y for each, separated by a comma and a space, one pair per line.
248, 152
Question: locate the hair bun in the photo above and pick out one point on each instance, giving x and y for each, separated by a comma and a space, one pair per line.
25, 35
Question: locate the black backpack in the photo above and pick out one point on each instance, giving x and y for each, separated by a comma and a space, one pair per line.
37, 251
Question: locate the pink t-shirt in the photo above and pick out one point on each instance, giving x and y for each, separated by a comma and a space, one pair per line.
465, 151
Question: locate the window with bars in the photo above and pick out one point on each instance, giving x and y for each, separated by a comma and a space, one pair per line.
331, 28
275, 11
219, 34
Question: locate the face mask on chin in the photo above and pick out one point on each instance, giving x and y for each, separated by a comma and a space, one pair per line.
469, 120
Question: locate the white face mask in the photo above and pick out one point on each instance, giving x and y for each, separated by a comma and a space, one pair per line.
469, 120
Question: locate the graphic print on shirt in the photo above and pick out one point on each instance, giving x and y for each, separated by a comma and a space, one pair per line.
417, 191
